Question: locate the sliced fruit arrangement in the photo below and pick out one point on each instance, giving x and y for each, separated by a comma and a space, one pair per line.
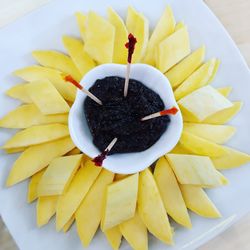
65, 183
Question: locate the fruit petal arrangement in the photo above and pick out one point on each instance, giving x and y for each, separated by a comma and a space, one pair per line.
66, 183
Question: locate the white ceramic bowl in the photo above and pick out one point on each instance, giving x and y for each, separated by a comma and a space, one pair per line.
126, 163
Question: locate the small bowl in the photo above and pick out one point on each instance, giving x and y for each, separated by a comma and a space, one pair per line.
126, 163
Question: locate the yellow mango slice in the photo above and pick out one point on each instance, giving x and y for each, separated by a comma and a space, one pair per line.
179, 26
69, 224
135, 232
231, 159
57, 60
74, 151
163, 29
197, 201
200, 146
46, 208
173, 49
77, 190
100, 37
35, 73
170, 193
45, 96
186, 67
138, 25
15, 150
224, 116
59, 175
198, 79
121, 37
194, 170
114, 237
215, 133
120, 202
29, 115
225, 91
179, 149
75, 48
35, 158
37, 135
151, 208
19, 92
32, 189
204, 102
81, 21
88, 215
119, 177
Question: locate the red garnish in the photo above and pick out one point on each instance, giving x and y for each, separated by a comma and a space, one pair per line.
130, 45
98, 160
69, 78
171, 111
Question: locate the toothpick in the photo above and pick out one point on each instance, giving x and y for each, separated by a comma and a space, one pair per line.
130, 45
70, 79
101, 157
171, 111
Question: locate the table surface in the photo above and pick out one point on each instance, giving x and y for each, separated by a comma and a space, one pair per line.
234, 14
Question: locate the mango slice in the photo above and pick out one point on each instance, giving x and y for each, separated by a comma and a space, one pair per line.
88, 215
19, 92
46, 208
15, 150
194, 170
197, 201
45, 96
173, 49
69, 224
59, 175
200, 146
151, 208
69, 202
135, 232
100, 38
120, 202
231, 159
215, 133
198, 79
204, 102
74, 151
57, 60
224, 116
33, 184
114, 237
75, 48
180, 149
179, 26
81, 21
163, 29
37, 135
225, 91
35, 158
121, 37
138, 25
186, 67
35, 73
29, 115
170, 193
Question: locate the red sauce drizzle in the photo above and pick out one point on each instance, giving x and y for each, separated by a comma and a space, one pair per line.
98, 160
69, 78
171, 111
130, 45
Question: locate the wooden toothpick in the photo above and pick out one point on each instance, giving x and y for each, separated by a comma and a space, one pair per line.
130, 45
171, 111
101, 157
69, 78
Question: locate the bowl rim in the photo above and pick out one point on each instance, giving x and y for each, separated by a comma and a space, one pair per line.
112, 161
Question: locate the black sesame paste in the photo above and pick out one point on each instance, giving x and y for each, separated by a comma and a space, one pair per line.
121, 117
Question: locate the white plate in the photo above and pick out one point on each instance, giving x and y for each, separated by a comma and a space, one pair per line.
43, 29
